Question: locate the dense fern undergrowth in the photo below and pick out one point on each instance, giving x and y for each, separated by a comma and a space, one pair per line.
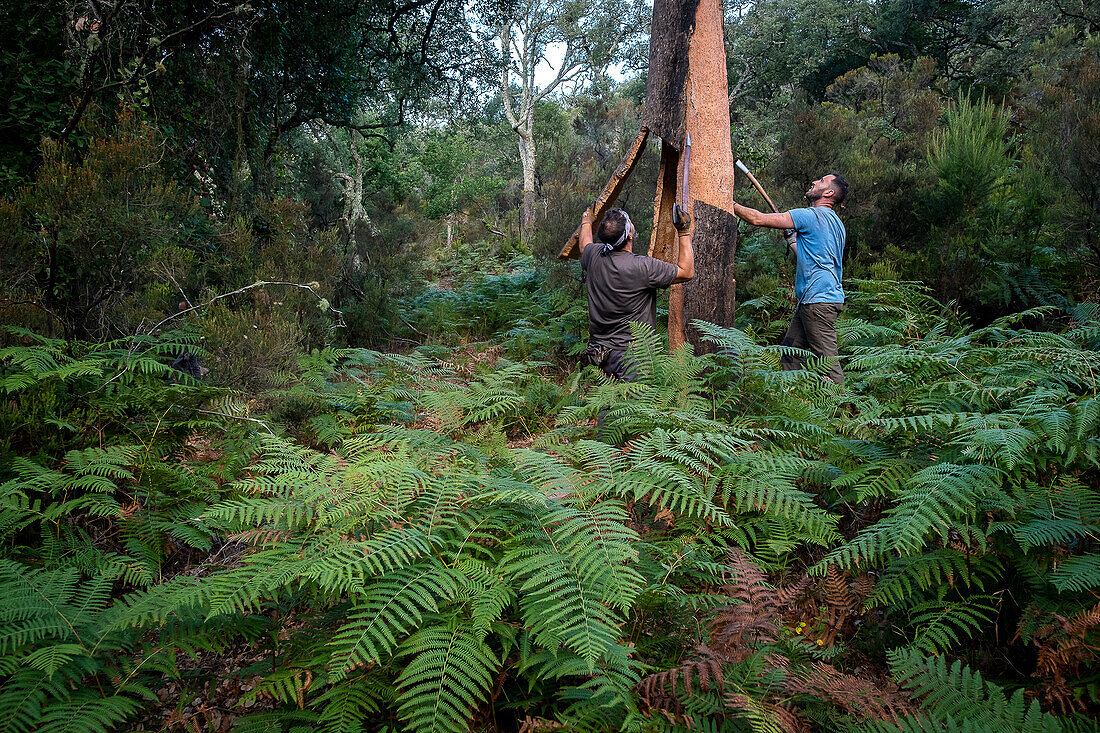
476, 538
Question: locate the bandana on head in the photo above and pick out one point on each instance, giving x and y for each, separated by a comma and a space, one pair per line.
618, 244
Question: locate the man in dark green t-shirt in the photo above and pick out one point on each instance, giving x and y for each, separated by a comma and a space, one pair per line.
622, 286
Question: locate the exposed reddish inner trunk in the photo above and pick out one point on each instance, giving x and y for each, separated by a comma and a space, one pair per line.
687, 92
711, 295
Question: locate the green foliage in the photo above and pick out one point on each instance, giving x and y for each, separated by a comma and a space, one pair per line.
956, 698
429, 569
517, 307
33, 87
57, 392
437, 539
451, 671
57, 228
57, 631
252, 348
1061, 121
969, 156
81, 524
984, 218
448, 163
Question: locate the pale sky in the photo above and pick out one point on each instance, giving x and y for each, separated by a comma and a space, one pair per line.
546, 70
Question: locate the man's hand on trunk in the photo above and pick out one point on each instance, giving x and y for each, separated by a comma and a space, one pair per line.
680, 219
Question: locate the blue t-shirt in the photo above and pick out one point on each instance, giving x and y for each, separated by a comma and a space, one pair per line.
820, 255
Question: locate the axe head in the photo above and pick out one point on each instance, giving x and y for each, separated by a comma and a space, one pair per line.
741, 166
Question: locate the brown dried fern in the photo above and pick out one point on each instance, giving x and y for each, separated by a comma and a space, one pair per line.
862, 587
1063, 646
753, 620
707, 671
842, 606
740, 627
538, 725
858, 696
784, 720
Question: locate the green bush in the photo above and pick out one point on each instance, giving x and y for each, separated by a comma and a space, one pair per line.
102, 243
251, 349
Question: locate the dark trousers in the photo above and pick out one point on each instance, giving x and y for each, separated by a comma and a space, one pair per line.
813, 328
609, 360
615, 366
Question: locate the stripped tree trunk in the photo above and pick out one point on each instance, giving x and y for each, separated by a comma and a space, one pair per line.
687, 92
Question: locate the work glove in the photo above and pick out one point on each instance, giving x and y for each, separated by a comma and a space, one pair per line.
680, 219
791, 237
589, 215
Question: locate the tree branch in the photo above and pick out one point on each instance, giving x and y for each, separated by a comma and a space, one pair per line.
91, 91
259, 284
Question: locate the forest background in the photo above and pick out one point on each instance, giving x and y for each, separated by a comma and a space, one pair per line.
292, 428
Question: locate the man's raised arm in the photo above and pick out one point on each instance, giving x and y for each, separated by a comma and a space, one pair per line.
685, 257
778, 220
587, 219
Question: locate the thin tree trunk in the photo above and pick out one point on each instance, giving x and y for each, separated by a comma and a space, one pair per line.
527, 160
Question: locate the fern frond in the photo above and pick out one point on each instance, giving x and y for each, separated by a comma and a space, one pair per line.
450, 672
346, 707
749, 486
1048, 532
904, 577
962, 695
287, 685
934, 498
941, 626
88, 711
486, 591
1078, 574
392, 606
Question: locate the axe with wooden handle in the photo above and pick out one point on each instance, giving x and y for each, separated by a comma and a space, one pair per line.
788, 234
756, 183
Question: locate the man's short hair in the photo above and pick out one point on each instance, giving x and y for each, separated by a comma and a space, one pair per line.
612, 226
840, 186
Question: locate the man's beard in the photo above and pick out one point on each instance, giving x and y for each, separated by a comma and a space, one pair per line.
813, 199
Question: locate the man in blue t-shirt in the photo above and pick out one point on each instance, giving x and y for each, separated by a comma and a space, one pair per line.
816, 236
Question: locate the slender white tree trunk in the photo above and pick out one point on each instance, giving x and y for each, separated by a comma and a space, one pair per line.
528, 162
526, 37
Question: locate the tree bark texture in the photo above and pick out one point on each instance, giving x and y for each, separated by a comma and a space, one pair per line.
712, 295
700, 107
662, 240
665, 103
527, 161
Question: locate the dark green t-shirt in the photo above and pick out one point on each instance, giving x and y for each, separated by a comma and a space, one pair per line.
622, 289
